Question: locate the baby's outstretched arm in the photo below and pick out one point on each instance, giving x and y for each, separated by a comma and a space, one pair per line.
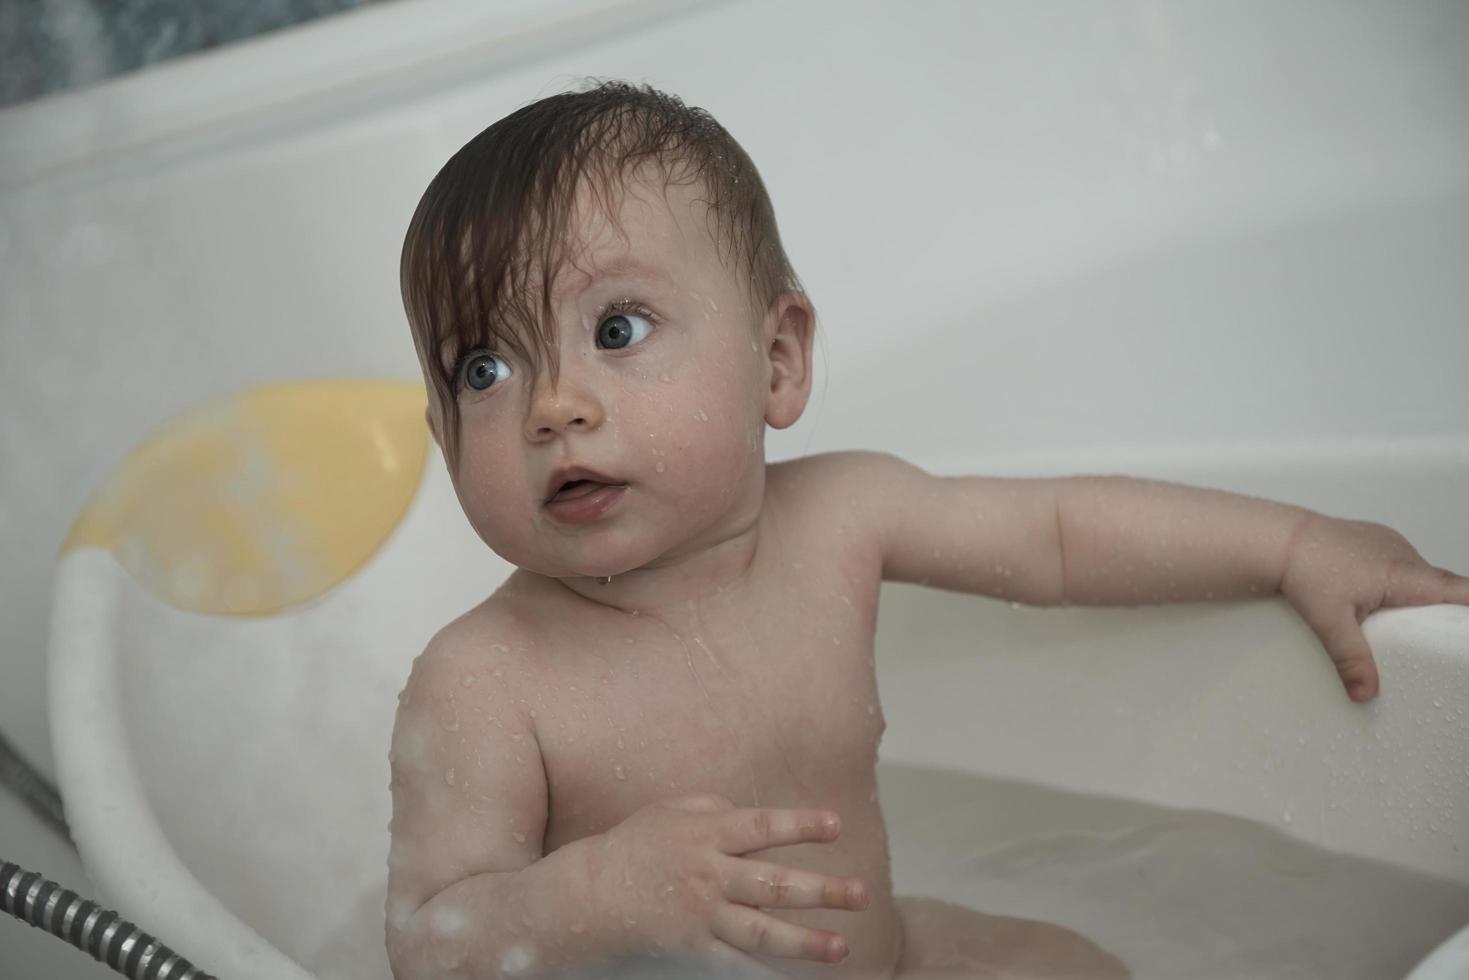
1120, 541
471, 894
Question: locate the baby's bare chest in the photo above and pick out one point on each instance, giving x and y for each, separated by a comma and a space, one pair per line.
769, 704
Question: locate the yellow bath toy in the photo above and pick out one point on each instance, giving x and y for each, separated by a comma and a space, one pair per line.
264, 499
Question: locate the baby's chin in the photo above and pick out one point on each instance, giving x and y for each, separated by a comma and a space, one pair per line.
605, 558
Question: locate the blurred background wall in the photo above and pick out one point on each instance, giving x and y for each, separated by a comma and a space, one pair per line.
51, 46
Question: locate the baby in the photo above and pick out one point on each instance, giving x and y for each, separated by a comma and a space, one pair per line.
658, 737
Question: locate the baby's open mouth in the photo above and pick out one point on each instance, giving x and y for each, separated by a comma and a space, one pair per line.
572, 489
582, 496
576, 490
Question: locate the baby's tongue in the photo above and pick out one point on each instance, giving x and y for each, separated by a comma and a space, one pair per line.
578, 488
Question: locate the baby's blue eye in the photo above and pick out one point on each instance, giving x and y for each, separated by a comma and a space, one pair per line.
622, 330
483, 369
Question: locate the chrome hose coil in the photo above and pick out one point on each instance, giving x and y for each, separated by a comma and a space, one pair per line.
105, 935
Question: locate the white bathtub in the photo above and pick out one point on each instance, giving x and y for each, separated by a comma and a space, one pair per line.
1224, 245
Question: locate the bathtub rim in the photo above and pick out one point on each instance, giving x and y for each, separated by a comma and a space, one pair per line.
147, 882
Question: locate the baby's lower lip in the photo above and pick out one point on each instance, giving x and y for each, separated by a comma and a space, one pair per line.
585, 503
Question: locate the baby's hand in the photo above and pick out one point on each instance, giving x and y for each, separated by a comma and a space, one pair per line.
1338, 572
672, 871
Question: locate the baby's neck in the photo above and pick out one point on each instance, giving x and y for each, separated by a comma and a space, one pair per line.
678, 581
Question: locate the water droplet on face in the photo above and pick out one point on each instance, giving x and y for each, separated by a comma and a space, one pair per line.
619, 772
620, 744
518, 837
667, 379
533, 712
467, 680
660, 467
449, 777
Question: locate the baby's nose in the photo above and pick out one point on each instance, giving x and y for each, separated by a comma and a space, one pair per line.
560, 408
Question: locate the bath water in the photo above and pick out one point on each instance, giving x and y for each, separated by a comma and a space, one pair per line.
1173, 893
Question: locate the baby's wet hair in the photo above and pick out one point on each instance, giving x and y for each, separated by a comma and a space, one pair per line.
489, 234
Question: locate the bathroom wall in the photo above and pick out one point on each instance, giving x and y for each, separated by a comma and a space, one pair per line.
49, 46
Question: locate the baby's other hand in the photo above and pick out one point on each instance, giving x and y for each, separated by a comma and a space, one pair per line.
674, 872
1339, 572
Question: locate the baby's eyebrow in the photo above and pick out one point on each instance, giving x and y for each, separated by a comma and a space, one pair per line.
631, 267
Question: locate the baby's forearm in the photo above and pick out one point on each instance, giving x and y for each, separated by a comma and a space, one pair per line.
534, 922
1126, 541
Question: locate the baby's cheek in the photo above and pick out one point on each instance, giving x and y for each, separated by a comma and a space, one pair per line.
494, 493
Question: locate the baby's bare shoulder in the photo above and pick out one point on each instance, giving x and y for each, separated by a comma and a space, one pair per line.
842, 487
492, 641
819, 473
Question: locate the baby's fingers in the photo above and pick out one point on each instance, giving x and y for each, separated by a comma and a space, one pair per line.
1425, 585
756, 828
775, 886
755, 931
1348, 650
1450, 587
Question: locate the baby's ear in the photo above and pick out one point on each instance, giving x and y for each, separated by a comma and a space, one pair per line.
789, 328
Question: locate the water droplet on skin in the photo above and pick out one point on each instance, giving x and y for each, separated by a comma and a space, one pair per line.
517, 960
619, 742
449, 777
660, 467
577, 928
518, 837
448, 921
467, 680
667, 379
619, 772
400, 914
701, 416
533, 712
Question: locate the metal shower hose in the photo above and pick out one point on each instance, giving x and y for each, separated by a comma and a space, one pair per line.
86, 925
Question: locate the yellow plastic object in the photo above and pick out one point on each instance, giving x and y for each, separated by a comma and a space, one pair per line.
264, 500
